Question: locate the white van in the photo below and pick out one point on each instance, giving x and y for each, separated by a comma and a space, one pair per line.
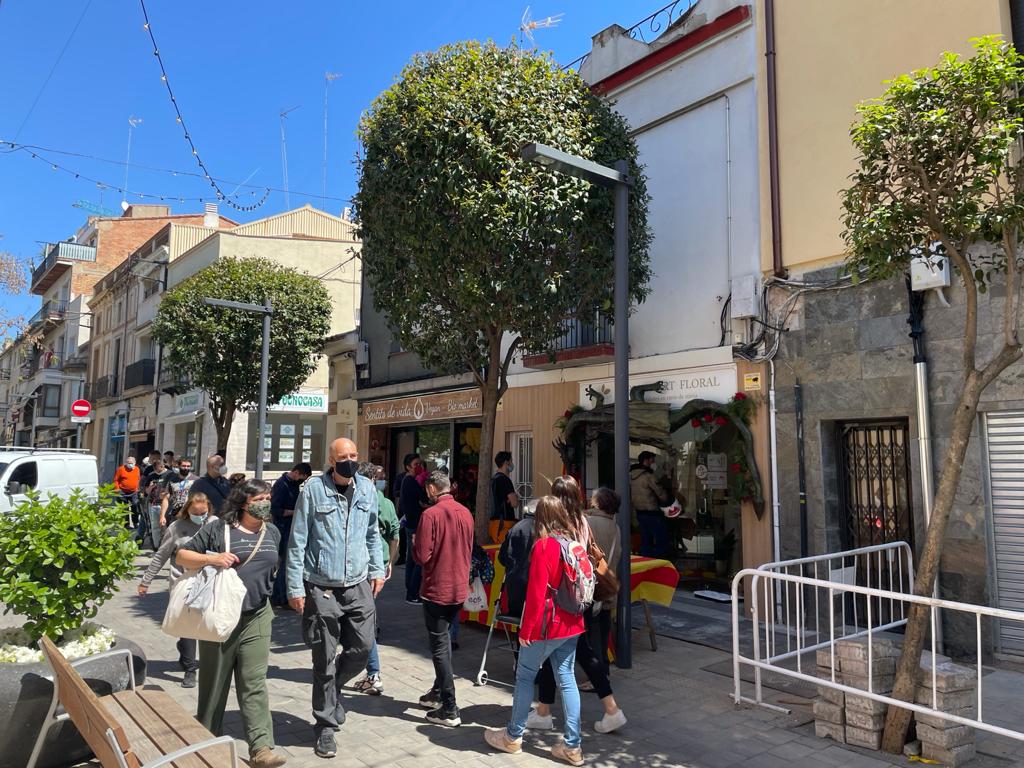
50, 472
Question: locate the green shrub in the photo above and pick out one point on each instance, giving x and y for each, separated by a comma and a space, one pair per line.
61, 559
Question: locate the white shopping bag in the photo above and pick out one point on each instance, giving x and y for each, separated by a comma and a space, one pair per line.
477, 600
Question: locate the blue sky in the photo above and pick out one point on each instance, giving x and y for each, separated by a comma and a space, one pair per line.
233, 66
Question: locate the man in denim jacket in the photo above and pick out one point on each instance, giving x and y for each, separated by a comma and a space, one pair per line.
334, 570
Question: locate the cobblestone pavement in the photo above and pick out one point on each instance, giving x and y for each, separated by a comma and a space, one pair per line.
679, 711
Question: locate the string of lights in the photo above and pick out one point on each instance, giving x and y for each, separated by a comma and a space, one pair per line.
106, 185
15, 146
181, 121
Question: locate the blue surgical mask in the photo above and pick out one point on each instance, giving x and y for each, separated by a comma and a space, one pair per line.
198, 519
382, 485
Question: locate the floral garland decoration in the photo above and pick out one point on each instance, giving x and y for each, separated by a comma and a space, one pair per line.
739, 409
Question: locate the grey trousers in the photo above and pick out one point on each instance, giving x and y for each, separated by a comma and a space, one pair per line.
333, 617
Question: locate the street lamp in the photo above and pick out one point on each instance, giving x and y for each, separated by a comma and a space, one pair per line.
267, 311
619, 179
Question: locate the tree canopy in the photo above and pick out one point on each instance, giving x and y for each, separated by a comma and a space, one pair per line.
219, 350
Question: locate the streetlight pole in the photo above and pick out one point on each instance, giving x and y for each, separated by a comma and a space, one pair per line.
618, 178
266, 310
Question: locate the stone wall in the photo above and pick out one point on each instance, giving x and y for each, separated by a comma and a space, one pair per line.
851, 351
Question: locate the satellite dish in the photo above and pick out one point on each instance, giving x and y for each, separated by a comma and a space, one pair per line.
124, 205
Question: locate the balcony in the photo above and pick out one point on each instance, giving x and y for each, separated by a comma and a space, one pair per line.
50, 312
105, 388
140, 374
582, 343
60, 257
172, 383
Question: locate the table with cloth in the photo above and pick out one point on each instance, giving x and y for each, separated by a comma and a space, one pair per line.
651, 581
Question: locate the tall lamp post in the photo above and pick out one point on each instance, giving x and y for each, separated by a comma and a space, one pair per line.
619, 179
267, 310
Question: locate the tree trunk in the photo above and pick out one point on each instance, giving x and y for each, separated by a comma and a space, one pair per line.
222, 422
898, 719
489, 403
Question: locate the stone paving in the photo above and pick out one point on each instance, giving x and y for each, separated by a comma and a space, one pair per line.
679, 710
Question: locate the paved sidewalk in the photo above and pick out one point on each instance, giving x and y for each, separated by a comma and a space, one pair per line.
679, 711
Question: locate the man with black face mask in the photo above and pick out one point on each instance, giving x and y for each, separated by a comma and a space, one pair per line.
334, 570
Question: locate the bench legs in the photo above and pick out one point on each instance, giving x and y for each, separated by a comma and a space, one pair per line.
189, 750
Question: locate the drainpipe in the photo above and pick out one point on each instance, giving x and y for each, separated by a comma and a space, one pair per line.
798, 397
772, 436
773, 137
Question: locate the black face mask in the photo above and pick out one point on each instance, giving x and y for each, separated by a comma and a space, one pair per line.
184, 472
346, 469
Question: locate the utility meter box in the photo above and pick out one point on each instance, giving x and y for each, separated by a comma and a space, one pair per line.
744, 302
927, 272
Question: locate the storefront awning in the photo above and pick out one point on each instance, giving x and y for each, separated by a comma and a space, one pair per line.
182, 418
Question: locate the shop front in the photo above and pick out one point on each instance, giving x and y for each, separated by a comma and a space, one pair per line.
295, 432
442, 427
182, 429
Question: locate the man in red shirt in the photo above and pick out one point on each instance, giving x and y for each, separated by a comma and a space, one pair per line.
443, 545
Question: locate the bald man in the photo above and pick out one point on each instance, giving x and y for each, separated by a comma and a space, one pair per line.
334, 570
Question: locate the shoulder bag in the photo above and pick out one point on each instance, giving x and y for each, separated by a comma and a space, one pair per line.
607, 586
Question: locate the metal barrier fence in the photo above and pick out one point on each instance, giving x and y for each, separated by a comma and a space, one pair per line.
774, 578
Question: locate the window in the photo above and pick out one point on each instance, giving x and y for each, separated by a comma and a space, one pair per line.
25, 474
51, 401
520, 445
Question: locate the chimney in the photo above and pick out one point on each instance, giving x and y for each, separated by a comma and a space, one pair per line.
210, 217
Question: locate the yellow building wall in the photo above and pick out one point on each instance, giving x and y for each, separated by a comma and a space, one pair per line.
830, 56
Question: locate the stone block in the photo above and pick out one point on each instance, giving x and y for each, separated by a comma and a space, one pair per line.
829, 713
953, 757
880, 667
946, 701
879, 683
879, 332
947, 738
857, 648
937, 721
823, 658
865, 705
912, 749
866, 721
831, 695
861, 738
832, 731
949, 676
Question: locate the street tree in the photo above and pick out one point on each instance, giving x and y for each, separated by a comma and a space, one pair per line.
474, 254
219, 350
13, 280
939, 174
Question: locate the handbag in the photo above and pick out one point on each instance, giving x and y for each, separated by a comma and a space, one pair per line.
477, 600
219, 618
606, 585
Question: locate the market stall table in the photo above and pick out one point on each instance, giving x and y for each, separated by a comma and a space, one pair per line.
651, 581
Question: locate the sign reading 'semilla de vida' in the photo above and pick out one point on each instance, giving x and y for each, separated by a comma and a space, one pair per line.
438, 407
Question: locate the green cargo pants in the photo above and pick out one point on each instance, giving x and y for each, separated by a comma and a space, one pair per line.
245, 655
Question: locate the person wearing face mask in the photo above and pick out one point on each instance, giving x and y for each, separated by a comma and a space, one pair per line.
245, 654
127, 478
283, 498
504, 499
387, 521
190, 517
179, 482
334, 570
215, 482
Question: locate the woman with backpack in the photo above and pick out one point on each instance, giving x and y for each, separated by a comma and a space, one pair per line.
592, 646
548, 631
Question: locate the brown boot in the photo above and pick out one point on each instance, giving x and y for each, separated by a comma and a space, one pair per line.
264, 757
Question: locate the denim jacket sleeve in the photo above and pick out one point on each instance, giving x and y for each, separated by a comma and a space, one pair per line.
296, 558
373, 542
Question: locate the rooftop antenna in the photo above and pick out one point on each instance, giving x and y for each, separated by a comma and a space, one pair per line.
528, 25
329, 77
133, 123
284, 155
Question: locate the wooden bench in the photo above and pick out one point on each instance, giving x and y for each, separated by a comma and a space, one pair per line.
136, 728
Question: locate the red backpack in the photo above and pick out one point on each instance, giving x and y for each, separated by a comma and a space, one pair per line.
575, 591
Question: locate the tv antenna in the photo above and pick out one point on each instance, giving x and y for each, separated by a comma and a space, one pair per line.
329, 77
133, 123
529, 24
284, 155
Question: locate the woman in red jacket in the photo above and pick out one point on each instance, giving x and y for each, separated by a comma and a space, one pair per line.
546, 631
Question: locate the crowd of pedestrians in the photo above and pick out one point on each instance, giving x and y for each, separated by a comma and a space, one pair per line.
324, 545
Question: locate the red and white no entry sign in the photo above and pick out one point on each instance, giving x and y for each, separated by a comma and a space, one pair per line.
81, 408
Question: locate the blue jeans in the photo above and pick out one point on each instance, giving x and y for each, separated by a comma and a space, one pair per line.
373, 661
413, 572
563, 659
653, 534
156, 532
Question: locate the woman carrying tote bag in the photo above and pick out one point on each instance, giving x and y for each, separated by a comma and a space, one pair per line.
253, 550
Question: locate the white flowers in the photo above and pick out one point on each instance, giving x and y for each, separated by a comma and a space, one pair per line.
16, 645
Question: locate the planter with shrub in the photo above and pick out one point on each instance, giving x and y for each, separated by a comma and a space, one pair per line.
60, 560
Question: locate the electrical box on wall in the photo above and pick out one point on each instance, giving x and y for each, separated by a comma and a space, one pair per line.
927, 272
744, 297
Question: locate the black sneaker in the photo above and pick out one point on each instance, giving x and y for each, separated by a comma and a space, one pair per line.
446, 717
189, 680
325, 745
413, 601
430, 699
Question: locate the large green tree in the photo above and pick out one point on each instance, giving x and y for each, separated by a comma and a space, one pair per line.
939, 172
219, 350
474, 254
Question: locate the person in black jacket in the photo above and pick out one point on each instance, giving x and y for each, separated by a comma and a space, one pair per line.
283, 497
214, 483
515, 556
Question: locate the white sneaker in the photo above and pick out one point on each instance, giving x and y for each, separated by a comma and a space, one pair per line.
536, 722
610, 723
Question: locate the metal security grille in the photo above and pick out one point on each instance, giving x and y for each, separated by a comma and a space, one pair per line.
1005, 439
874, 492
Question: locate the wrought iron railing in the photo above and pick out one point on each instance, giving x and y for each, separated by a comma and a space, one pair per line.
140, 373
106, 387
584, 333
63, 251
648, 29
51, 310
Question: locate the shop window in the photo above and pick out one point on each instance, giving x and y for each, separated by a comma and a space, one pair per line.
288, 438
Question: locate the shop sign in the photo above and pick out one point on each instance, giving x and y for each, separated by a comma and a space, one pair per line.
189, 402
679, 387
303, 401
439, 407
752, 382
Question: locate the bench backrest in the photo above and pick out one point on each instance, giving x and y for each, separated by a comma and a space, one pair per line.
87, 712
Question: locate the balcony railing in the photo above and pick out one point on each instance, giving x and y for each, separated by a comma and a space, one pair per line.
105, 387
140, 374
580, 333
582, 342
50, 311
59, 254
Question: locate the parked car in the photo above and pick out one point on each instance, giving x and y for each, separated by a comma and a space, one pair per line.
50, 472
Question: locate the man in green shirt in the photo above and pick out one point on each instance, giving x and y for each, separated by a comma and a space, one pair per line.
387, 519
